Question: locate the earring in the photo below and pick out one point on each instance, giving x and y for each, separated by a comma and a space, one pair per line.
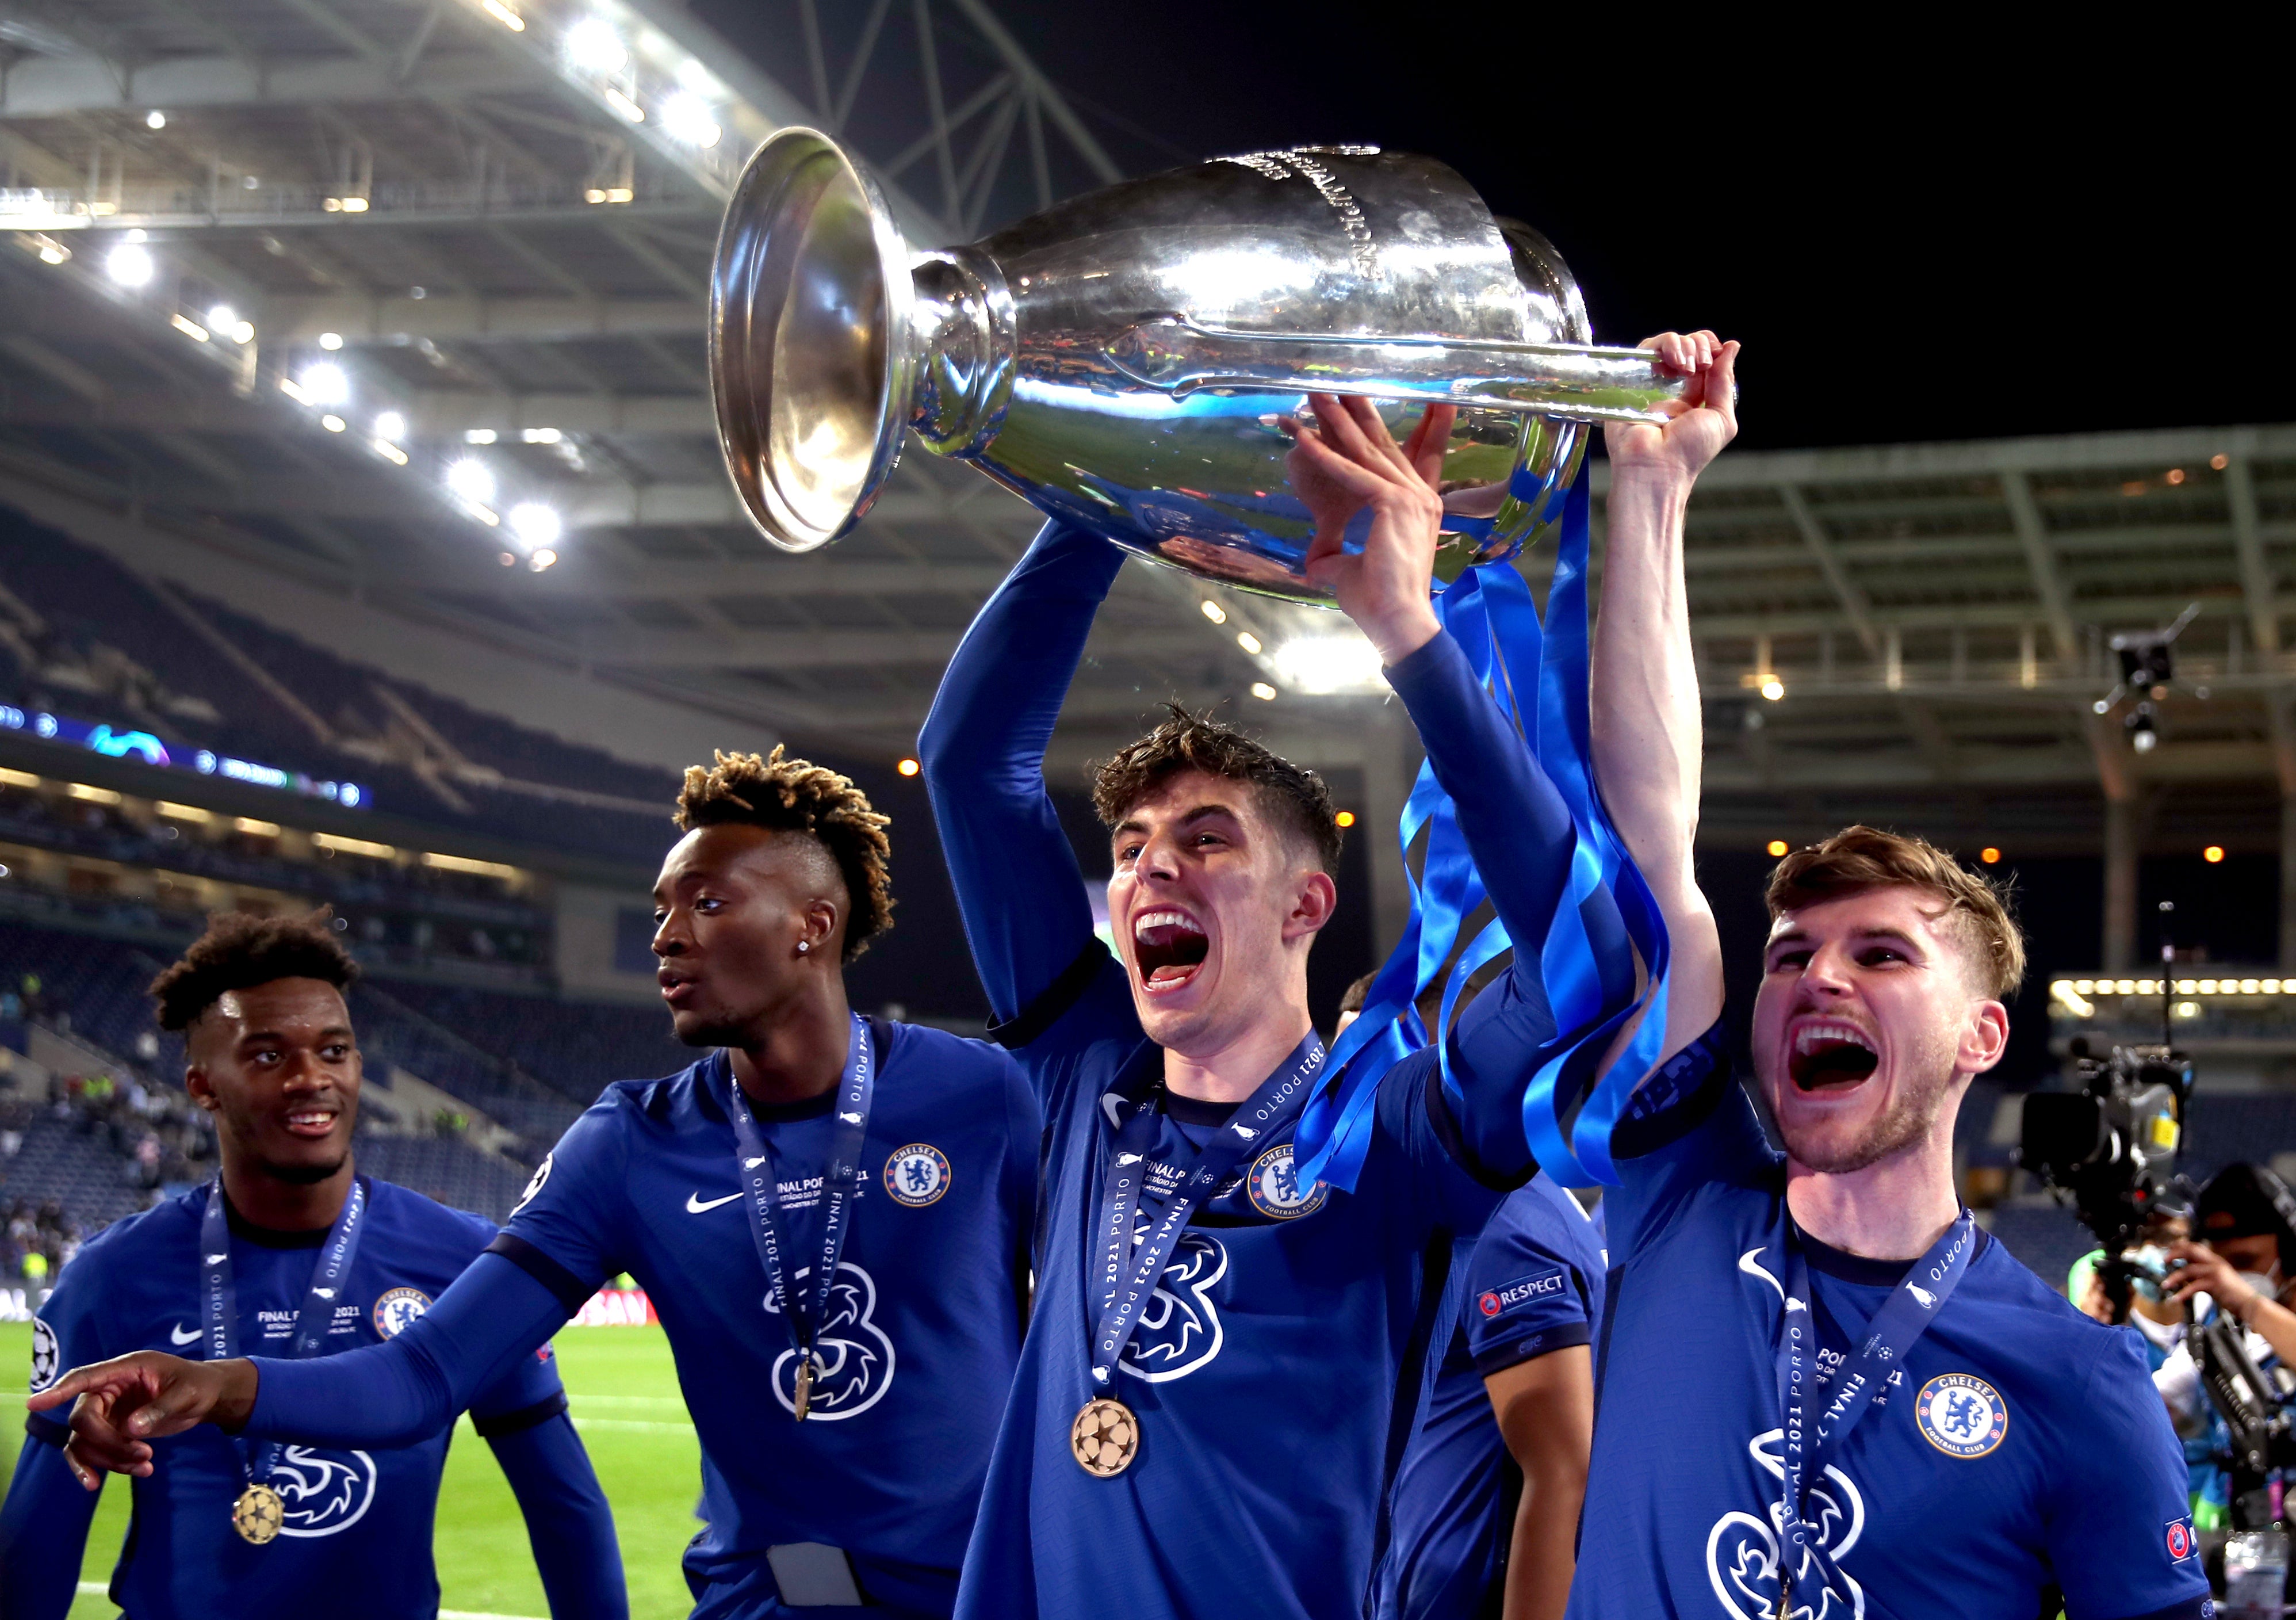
803, 946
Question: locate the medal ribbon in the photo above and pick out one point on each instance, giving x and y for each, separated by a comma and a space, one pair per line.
1809, 1442
313, 1318
1125, 1293
841, 1181
1539, 677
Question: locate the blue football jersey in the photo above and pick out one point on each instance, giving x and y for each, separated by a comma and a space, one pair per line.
923, 1329
2017, 1445
1530, 1285
1275, 1372
356, 1540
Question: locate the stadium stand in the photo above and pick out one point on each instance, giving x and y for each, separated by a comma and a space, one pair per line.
576, 1049
81, 636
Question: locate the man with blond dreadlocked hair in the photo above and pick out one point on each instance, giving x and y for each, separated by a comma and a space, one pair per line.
830, 1214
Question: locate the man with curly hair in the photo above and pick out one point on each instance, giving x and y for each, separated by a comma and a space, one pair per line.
830, 1214
291, 1253
1227, 1357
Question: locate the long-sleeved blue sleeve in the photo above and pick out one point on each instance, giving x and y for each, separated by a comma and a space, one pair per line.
567, 1523
1519, 830
43, 1534
408, 1389
1017, 880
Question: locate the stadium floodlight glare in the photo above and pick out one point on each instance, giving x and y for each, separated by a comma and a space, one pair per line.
505, 16
1773, 688
391, 425
1261, 690
243, 332
1248, 642
473, 480
477, 435
1214, 611
686, 117
52, 251
155, 119
692, 76
537, 526
542, 559
540, 435
332, 423
1326, 664
130, 265
325, 384
593, 46
330, 341
222, 317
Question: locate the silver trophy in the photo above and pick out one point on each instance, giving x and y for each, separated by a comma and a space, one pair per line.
1123, 361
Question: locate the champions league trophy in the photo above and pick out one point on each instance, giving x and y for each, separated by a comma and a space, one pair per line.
1121, 361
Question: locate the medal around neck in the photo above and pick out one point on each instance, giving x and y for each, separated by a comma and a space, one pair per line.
1105, 1437
259, 1515
1121, 360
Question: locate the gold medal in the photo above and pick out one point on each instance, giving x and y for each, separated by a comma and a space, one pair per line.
1105, 1438
259, 1515
806, 1368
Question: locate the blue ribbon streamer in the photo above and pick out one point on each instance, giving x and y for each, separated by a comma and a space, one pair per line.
1568, 1112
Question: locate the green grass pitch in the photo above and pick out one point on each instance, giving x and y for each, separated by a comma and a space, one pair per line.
625, 1399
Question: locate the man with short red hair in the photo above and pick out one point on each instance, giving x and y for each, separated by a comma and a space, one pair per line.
1824, 1392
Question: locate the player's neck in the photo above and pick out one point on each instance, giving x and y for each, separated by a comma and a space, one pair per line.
798, 1051
263, 1199
1232, 1070
1893, 1209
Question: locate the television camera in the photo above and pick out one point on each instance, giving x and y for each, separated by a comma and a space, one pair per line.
2115, 1145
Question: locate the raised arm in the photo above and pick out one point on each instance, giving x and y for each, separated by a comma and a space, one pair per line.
1515, 823
1647, 728
1018, 883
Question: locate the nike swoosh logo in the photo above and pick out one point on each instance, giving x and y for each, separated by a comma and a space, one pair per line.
1748, 1264
179, 1337
695, 1206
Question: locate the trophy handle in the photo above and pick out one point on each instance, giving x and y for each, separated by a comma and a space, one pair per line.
1574, 381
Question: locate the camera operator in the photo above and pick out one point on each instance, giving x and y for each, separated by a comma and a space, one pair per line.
2246, 1219
2146, 1305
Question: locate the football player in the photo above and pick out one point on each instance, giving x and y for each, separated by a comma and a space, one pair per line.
289, 1253
1825, 1391
1225, 1362
830, 1213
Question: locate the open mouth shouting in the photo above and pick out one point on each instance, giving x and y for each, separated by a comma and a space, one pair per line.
1829, 1055
1168, 948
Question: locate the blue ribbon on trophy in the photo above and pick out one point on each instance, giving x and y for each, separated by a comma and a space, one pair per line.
1604, 920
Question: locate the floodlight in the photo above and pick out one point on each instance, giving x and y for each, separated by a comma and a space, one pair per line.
473, 480
593, 46
130, 265
1325, 664
325, 384
686, 117
330, 341
155, 119
391, 425
222, 317
535, 525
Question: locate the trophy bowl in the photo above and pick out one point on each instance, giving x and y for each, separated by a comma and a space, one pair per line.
1123, 361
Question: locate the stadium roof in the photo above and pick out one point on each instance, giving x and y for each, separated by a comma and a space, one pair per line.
469, 240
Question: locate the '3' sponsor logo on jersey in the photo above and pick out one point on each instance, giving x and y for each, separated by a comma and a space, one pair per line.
1744, 1552
1179, 1328
857, 1357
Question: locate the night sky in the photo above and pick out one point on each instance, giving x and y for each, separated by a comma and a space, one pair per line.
1921, 226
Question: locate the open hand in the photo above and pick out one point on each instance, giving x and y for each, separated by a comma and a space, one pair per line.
1347, 463
1701, 421
122, 1404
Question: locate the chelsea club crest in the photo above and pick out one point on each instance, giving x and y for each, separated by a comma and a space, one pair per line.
917, 1175
1275, 1187
397, 1309
1960, 1415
